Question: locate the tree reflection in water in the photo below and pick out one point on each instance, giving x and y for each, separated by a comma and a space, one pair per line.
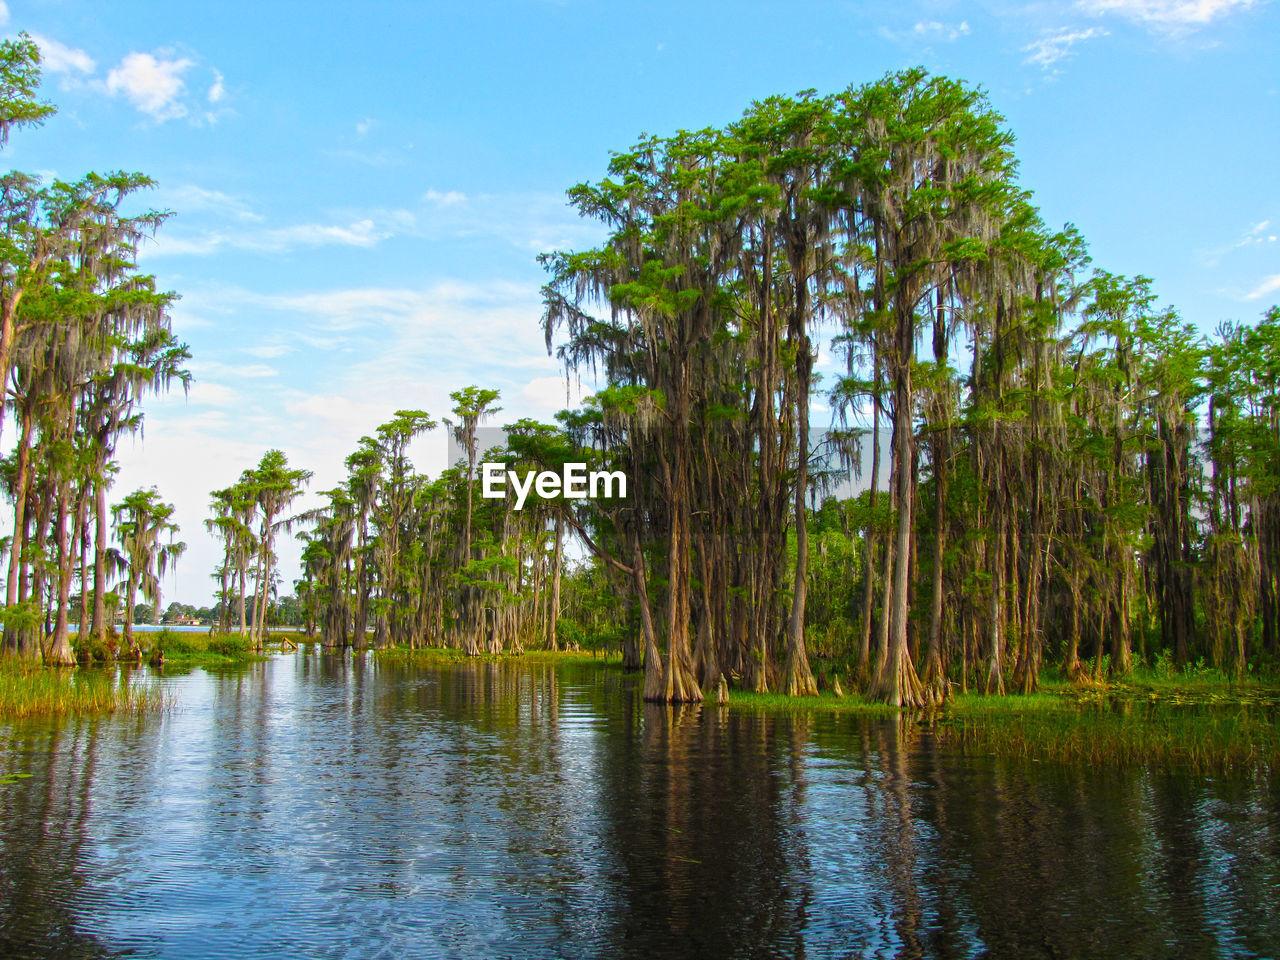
333, 806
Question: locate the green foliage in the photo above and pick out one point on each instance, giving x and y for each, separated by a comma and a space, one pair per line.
230, 645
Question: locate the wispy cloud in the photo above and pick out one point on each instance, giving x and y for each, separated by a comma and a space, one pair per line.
189, 198
1174, 15
56, 57
214, 368
552, 393
531, 221
928, 31
1261, 234
447, 198
933, 30
1053, 47
217, 90
1270, 285
361, 233
364, 232
268, 351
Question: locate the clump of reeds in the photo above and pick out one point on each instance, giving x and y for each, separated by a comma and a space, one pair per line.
825, 701
1205, 740
30, 690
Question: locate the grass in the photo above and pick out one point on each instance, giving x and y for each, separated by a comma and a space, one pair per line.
1201, 721
181, 647
1201, 737
441, 655
430, 655
825, 702
30, 690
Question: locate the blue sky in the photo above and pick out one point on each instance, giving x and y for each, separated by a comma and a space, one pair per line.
361, 192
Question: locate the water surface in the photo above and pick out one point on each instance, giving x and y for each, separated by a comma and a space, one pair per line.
320, 806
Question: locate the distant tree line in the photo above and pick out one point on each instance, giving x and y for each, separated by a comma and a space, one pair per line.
394, 557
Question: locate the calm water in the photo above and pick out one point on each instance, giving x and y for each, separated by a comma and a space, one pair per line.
313, 806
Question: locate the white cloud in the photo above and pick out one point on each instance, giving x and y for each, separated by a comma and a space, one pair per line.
212, 394
933, 30
450, 326
543, 396
447, 199
169, 245
1051, 48
1270, 285
216, 90
1256, 236
189, 198
57, 57
4, 13
362, 233
365, 232
365, 125
268, 351
927, 31
251, 371
152, 84
530, 221
1167, 14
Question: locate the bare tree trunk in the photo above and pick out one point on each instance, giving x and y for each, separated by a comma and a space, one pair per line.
869, 546
896, 682
59, 651
21, 484
798, 677
82, 538
556, 565
100, 626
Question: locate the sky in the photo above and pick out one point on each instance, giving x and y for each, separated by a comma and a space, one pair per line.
360, 192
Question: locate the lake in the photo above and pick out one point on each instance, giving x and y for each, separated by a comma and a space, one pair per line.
326, 806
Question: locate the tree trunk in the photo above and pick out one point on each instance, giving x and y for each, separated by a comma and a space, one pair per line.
100, 626
59, 651
896, 682
556, 564
798, 678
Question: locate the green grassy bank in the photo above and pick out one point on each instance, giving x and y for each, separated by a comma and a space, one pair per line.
178, 647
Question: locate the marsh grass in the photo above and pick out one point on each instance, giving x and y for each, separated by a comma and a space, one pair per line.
440, 655
1204, 723
184, 647
431, 655
825, 702
603, 658
1199, 738
28, 690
